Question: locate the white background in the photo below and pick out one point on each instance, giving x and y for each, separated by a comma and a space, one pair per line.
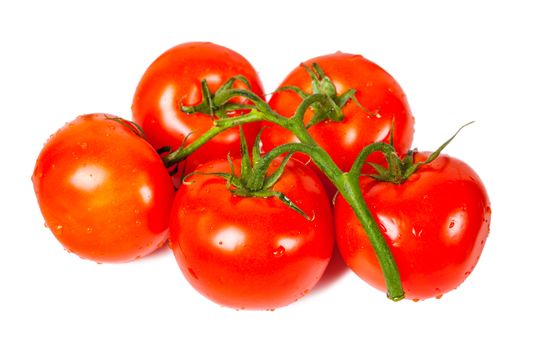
457, 61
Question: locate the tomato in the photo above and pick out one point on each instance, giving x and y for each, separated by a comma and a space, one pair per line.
384, 104
248, 252
175, 78
435, 225
103, 190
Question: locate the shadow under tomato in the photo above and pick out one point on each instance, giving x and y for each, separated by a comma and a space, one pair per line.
335, 270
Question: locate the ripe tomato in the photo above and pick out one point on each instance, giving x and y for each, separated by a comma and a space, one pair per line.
103, 190
377, 91
246, 252
175, 78
435, 224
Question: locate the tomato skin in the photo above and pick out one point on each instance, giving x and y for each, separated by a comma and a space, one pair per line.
175, 78
251, 253
103, 190
435, 223
377, 91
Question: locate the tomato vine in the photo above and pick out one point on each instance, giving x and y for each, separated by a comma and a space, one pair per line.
347, 183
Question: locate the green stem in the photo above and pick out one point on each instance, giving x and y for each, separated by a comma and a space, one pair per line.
308, 102
287, 148
261, 167
355, 199
226, 95
320, 157
348, 186
182, 153
346, 183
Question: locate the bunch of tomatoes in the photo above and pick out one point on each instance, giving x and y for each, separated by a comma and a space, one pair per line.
252, 195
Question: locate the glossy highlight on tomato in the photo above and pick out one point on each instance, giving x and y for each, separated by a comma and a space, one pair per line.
247, 252
175, 78
103, 190
435, 224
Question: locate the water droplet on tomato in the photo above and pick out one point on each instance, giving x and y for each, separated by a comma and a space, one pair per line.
89, 229
59, 229
417, 231
452, 224
382, 227
439, 296
279, 251
416, 300
45, 225
467, 273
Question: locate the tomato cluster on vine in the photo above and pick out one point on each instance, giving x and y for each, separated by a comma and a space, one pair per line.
252, 195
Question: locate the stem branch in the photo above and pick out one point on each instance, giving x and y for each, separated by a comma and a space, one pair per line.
346, 182
355, 199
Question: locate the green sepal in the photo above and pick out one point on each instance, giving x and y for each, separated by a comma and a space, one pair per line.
215, 104
253, 181
219, 97
272, 179
343, 99
256, 150
246, 163
412, 168
232, 180
399, 170
381, 172
242, 192
286, 200
206, 106
131, 125
302, 94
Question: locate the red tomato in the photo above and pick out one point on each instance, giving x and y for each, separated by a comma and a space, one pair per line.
103, 190
175, 78
435, 224
377, 91
252, 253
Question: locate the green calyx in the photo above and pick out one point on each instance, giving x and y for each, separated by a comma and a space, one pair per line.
132, 126
253, 180
326, 102
399, 170
215, 104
